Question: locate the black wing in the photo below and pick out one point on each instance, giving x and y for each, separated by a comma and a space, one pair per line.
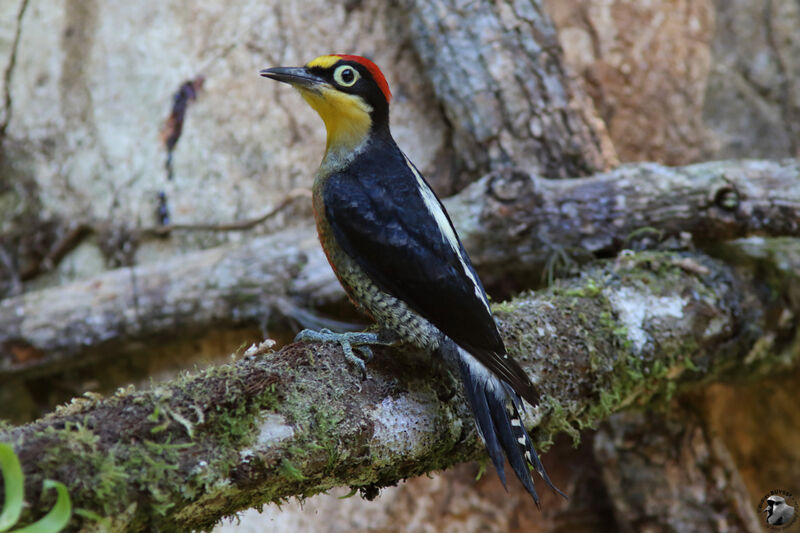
379, 217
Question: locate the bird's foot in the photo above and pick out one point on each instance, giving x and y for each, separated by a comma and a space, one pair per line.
361, 341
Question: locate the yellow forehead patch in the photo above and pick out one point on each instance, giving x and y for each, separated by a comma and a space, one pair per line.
324, 61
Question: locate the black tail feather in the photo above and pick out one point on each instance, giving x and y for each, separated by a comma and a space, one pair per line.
508, 437
529, 452
476, 395
497, 408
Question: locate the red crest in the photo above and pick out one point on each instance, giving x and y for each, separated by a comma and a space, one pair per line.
373, 69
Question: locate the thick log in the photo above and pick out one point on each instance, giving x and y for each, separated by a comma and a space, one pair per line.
300, 421
498, 71
512, 224
99, 316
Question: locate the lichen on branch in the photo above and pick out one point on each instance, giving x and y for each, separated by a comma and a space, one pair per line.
300, 421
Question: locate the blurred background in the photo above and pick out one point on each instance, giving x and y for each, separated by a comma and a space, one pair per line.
97, 97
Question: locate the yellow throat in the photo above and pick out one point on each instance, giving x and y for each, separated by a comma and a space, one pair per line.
346, 116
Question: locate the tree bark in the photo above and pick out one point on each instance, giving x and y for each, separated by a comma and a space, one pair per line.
512, 224
297, 422
497, 69
630, 332
515, 224
99, 316
669, 472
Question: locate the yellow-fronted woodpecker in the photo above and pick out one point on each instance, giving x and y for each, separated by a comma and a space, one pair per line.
396, 252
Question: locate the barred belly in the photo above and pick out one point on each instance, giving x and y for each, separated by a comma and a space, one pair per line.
389, 312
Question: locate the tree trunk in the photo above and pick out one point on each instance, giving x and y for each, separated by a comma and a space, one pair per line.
497, 70
632, 332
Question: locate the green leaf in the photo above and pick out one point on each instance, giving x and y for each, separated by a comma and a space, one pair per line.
13, 483
59, 515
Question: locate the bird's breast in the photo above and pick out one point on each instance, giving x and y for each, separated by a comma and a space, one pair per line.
388, 311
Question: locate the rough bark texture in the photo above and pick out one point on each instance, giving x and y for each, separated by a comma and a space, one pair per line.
752, 105
679, 81
83, 140
646, 66
512, 224
668, 472
458, 500
297, 422
496, 68
227, 285
85, 86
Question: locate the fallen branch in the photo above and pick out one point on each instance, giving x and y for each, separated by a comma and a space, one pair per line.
512, 224
300, 421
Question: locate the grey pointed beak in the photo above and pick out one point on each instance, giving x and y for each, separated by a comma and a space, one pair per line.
296, 76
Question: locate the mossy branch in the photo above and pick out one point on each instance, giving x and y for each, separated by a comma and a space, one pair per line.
514, 225
299, 421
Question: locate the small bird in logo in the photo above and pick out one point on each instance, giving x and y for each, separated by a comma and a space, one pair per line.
778, 511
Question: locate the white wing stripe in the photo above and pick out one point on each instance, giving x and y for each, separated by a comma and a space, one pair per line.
448, 234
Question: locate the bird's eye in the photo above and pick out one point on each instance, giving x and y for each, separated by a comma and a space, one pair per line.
346, 76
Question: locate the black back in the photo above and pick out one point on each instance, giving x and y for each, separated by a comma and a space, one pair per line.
379, 218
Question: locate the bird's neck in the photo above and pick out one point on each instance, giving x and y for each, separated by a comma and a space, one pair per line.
344, 147
350, 122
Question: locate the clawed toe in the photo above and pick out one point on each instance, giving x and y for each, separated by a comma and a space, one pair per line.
348, 341
366, 353
314, 336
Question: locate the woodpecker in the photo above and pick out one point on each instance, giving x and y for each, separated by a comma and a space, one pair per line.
395, 251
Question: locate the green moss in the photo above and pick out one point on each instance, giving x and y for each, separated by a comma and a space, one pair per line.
503, 307
608, 402
290, 471
659, 369
155, 468
111, 476
589, 360
558, 421
97, 476
618, 375
5, 426
575, 292
156, 416
590, 289
324, 424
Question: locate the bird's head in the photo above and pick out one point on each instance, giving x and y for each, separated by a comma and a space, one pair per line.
349, 92
775, 501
